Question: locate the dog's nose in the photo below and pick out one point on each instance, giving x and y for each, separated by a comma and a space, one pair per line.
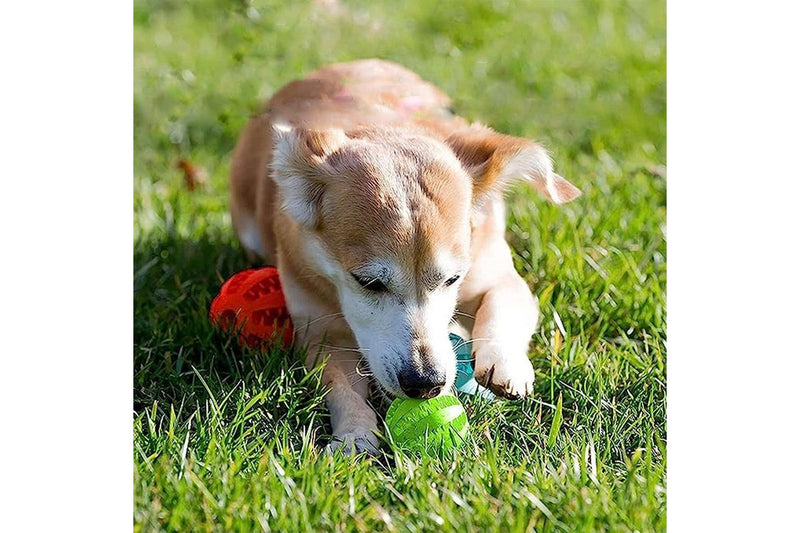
418, 385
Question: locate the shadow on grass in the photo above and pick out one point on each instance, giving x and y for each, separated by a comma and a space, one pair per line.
179, 359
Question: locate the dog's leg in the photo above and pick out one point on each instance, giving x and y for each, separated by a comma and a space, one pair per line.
505, 317
504, 323
320, 326
354, 423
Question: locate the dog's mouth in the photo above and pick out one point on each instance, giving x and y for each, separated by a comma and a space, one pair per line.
380, 395
376, 387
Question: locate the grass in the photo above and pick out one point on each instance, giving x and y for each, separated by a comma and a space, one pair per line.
227, 439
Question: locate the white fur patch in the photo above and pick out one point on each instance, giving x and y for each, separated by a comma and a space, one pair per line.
295, 188
249, 235
384, 324
535, 166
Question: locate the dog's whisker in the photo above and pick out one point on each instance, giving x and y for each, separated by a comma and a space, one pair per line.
460, 345
466, 342
325, 317
344, 348
341, 358
480, 339
359, 380
361, 373
346, 360
464, 314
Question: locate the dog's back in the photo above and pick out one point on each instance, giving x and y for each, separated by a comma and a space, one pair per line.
370, 93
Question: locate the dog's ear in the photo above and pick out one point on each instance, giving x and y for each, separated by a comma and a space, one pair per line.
495, 160
300, 168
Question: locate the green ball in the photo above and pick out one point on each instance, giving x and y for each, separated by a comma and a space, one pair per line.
438, 425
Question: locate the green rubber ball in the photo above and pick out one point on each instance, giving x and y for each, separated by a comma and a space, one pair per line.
438, 425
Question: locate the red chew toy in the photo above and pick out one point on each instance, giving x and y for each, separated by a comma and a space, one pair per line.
252, 303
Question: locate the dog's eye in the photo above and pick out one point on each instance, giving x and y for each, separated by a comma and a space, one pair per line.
371, 284
452, 280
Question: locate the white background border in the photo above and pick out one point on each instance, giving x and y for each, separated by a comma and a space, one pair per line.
66, 212
66, 219
732, 267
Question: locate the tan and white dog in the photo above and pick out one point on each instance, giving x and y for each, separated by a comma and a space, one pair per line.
384, 214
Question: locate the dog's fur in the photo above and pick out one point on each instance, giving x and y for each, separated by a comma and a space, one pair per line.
361, 175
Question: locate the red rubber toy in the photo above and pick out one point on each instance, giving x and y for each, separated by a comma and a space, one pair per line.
252, 304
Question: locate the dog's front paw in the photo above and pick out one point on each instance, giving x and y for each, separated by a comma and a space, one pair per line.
354, 442
508, 377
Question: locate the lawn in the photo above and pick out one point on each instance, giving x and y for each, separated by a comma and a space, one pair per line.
231, 440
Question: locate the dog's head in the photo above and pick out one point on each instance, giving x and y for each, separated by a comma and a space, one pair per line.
386, 218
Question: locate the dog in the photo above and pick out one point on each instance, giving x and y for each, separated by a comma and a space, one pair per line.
384, 213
